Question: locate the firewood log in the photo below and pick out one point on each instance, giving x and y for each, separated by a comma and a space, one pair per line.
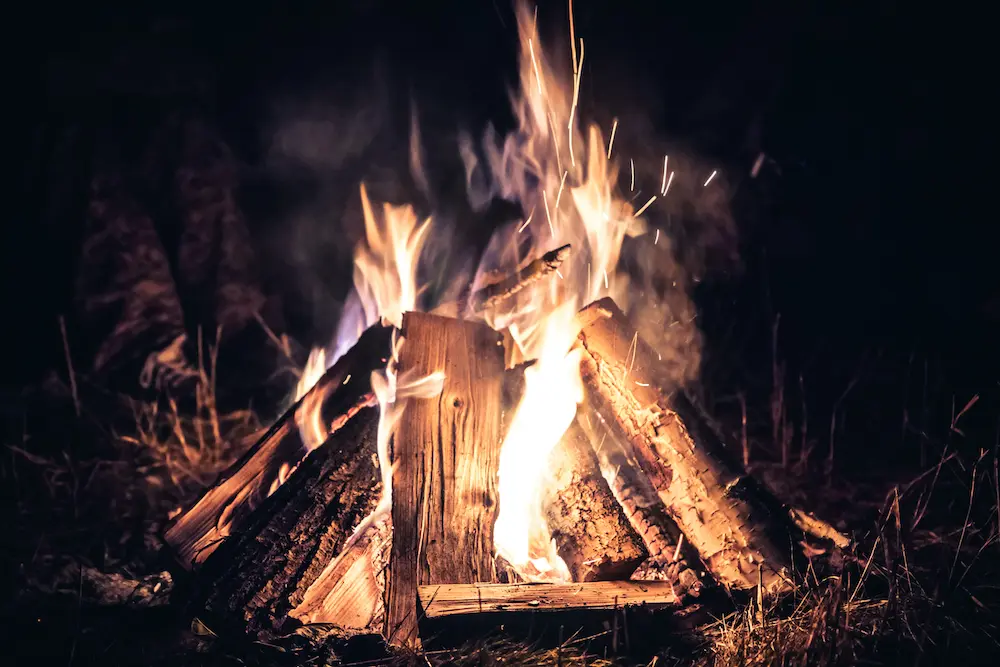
263, 571
742, 532
592, 534
223, 508
671, 557
445, 457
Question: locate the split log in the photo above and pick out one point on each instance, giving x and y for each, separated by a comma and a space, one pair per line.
592, 534
261, 573
460, 599
445, 457
740, 530
225, 506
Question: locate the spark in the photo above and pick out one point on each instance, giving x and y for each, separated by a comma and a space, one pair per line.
756, 166
611, 142
578, 72
642, 384
669, 181
545, 200
663, 182
677, 551
644, 207
572, 36
605, 279
526, 222
534, 63
559, 194
631, 166
714, 172
559, 273
656, 238
347, 379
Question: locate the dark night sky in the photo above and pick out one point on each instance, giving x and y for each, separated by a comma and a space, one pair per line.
864, 235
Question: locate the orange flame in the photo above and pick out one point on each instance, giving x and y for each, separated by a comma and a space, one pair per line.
567, 180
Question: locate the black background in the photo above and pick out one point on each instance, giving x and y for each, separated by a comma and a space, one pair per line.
862, 233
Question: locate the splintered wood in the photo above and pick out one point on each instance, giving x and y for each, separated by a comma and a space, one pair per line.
445, 456
741, 534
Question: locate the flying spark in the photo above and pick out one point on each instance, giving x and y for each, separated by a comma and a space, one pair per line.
611, 142
534, 63
559, 273
559, 194
576, 96
669, 181
631, 166
663, 182
714, 172
605, 279
545, 200
756, 166
347, 379
657, 237
644, 207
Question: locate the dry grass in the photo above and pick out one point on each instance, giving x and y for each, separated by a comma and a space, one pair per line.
917, 585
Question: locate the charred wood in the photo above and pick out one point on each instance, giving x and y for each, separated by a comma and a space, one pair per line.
592, 534
344, 389
264, 570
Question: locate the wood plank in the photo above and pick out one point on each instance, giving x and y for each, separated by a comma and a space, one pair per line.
462, 599
445, 456
225, 506
740, 530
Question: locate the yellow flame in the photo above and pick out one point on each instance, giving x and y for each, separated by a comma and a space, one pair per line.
538, 166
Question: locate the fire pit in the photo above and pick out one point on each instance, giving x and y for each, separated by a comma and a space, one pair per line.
519, 449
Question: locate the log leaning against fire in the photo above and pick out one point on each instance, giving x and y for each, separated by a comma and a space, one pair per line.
260, 579
344, 389
743, 534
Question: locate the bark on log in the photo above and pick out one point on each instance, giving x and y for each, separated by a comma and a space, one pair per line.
671, 557
227, 504
740, 530
592, 534
445, 456
262, 572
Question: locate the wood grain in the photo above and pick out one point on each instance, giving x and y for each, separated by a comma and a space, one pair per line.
445, 456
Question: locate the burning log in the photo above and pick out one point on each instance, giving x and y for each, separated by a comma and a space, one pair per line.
592, 534
264, 571
445, 457
741, 532
671, 557
507, 286
344, 389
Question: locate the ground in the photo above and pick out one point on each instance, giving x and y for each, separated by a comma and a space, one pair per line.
93, 478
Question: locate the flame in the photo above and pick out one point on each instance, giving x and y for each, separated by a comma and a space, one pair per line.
565, 178
385, 271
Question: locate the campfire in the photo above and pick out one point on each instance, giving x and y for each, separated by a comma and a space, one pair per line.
519, 447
